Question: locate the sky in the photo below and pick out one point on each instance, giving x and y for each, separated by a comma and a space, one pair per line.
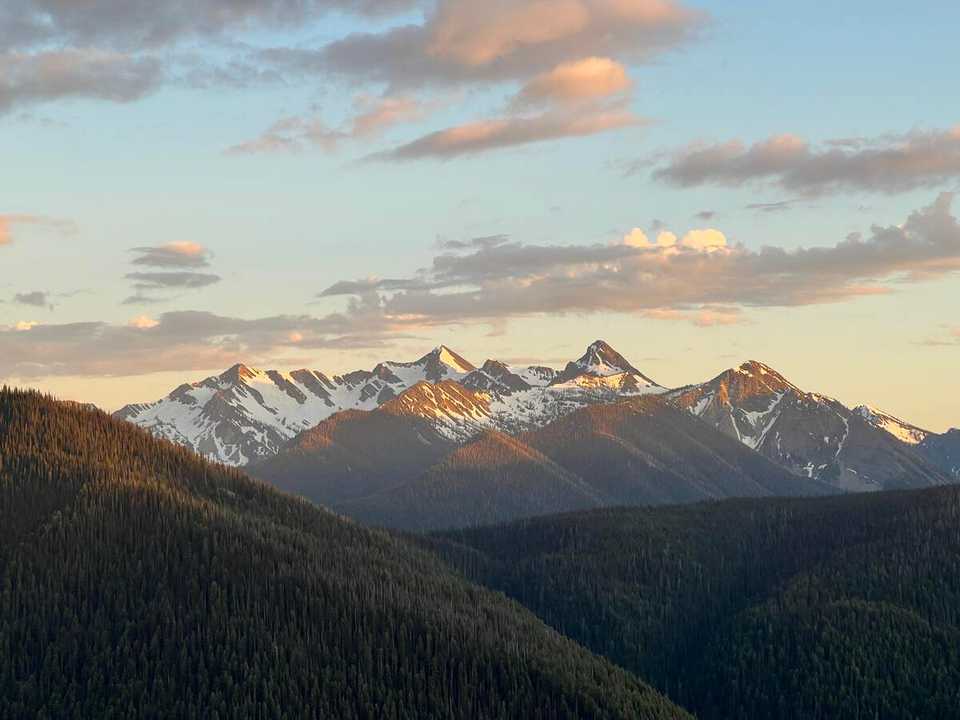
331, 183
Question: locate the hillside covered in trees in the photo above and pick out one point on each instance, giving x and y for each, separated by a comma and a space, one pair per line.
839, 607
137, 581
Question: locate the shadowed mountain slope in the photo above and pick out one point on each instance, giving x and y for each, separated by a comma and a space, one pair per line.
138, 581
636, 452
841, 607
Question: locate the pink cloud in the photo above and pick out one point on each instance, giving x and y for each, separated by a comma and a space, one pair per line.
485, 135
576, 81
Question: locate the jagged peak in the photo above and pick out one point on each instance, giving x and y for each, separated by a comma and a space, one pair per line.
750, 379
450, 358
601, 360
239, 372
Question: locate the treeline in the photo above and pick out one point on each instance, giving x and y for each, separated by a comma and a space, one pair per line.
137, 581
842, 607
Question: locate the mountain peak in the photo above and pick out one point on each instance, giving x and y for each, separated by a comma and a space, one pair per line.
601, 359
439, 361
753, 378
238, 373
755, 367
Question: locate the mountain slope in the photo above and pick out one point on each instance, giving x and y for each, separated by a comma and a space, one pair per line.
840, 607
903, 431
943, 451
495, 478
643, 451
809, 434
139, 581
640, 451
354, 454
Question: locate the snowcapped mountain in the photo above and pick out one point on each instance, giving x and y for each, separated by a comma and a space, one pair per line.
807, 433
902, 431
246, 415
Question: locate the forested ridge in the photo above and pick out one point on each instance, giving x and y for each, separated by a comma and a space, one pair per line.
138, 581
840, 607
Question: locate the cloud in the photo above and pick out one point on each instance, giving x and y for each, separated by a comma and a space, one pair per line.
173, 255
575, 82
705, 240
143, 322
146, 281
700, 276
706, 215
37, 298
485, 135
8, 222
375, 115
887, 164
951, 339
180, 341
28, 78
462, 41
121, 51
133, 24
772, 207
295, 134
178, 264
487, 241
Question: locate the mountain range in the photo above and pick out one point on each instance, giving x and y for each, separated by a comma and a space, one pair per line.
465, 444
244, 415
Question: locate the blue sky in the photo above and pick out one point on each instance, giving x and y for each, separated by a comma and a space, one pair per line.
88, 179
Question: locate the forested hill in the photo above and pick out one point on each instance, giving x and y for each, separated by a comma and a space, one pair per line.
139, 581
841, 607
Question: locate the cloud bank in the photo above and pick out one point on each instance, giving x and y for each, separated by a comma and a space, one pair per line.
698, 277
698, 271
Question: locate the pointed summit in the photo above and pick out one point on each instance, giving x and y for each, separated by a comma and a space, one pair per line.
238, 373
752, 381
600, 361
443, 363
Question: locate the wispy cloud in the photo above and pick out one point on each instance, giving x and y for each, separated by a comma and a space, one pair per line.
886, 164
776, 206
173, 255
177, 264
9, 221
373, 116
484, 135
